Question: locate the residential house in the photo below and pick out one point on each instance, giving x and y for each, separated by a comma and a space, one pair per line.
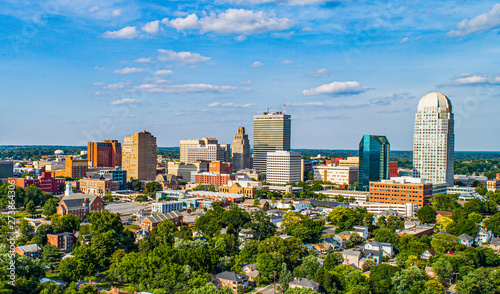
428, 253
495, 244
352, 257
323, 248
375, 255
483, 236
141, 234
341, 238
386, 248
250, 270
244, 235
333, 242
62, 241
329, 231
466, 240
303, 283
441, 213
232, 280
153, 220
31, 251
362, 231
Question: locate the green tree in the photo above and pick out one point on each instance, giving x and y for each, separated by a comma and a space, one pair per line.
473, 205
433, 287
30, 207
50, 207
386, 235
442, 268
211, 188
332, 259
66, 223
380, 278
493, 223
476, 282
153, 187
466, 226
268, 264
40, 236
162, 234
342, 217
199, 187
446, 202
50, 255
104, 221
308, 267
261, 226
285, 277
426, 214
411, 280
444, 243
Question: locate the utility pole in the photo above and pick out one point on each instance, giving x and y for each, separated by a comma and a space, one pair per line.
274, 283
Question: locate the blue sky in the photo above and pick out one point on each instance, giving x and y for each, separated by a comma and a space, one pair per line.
78, 71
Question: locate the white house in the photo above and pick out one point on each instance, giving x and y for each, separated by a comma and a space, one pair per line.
386, 248
483, 236
362, 231
466, 240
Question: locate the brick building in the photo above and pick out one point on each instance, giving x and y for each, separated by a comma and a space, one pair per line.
393, 169
80, 204
153, 220
31, 251
231, 280
73, 168
213, 178
45, 182
63, 241
400, 191
220, 167
97, 186
104, 154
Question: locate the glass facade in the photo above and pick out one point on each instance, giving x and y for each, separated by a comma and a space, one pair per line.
373, 159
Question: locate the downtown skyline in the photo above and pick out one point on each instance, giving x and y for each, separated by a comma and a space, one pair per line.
197, 69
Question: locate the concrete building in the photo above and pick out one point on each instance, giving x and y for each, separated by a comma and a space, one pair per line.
400, 191
104, 154
73, 168
164, 207
220, 167
283, 167
349, 161
373, 159
493, 185
6, 169
246, 187
139, 156
272, 132
213, 178
116, 174
241, 150
97, 186
434, 140
347, 194
406, 209
186, 171
340, 175
207, 149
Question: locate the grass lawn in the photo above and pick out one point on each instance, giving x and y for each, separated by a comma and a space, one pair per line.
133, 227
20, 215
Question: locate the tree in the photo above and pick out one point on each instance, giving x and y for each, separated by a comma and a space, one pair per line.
433, 287
301, 291
50, 207
104, 221
199, 187
50, 288
411, 280
444, 243
41, 232
445, 224
66, 223
426, 214
211, 188
267, 263
466, 226
235, 216
153, 187
308, 267
446, 202
476, 282
162, 234
285, 277
386, 235
50, 255
442, 268
332, 259
30, 207
261, 226
493, 223
473, 205
380, 278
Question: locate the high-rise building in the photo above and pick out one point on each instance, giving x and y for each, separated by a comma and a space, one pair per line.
283, 167
241, 150
104, 154
434, 140
139, 156
373, 159
207, 149
271, 132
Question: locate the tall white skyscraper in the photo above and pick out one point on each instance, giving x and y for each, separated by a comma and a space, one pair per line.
271, 132
434, 140
283, 167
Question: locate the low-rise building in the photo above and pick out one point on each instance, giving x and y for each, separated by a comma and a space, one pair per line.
483, 236
347, 194
80, 204
98, 186
400, 191
466, 240
386, 248
149, 222
168, 181
45, 182
62, 241
495, 244
352, 257
221, 168
340, 175
493, 185
417, 231
405, 209
303, 283
231, 280
31, 251
213, 178
164, 207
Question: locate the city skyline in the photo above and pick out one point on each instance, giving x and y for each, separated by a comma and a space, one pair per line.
98, 70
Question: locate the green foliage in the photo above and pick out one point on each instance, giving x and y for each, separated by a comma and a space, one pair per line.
411, 280
478, 281
301, 291
386, 235
153, 187
260, 226
50, 207
308, 267
199, 187
380, 278
426, 214
493, 223
444, 243
332, 259
285, 277
30, 207
50, 255
303, 227
446, 202
66, 223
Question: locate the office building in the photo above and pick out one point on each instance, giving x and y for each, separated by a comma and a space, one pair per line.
434, 140
207, 149
393, 169
6, 169
373, 159
186, 171
283, 167
165, 207
220, 167
271, 132
116, 174
213, 178
98, 186
349, 161
400, 191
340, 175
104, 154
241, 150
139, 156
73, 168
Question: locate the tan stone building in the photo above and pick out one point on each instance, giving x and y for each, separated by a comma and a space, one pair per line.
73, 168
241, 150
98, 187
139, 156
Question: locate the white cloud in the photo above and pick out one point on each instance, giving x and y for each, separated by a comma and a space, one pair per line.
471, 80
164, 72
240, 38
257, 64
390, 98
93, 9
115, 86
404, 40
337, 88
284, 2
184, 89
483, 22
231, 104
125, 101
307, 29
287, 62
232, 21
247, 82
125, 33
152, 27
158, 80
128, 70
143, 60
323, 72
184, 57
98, 84
116, 12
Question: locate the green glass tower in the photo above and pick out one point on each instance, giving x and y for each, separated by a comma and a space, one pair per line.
373, 159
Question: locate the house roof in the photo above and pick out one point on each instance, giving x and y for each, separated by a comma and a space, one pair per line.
372, 252
495, 242
76, 200
352, 253
303, 282
465, 237
156, 218
29, 248
444, 212
230, 276
378, 244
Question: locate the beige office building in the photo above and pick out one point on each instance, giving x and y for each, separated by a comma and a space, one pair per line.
271, 132
241, 150
139, 156
336, 174
349, 161
207, 149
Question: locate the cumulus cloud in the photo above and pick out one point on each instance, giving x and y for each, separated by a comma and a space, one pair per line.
184, 57
125, 33
257, 64
128, 70
143, 60
152, 27
115, 86
232, 21
231, 104
483, 22
286, 62
164, 72
116, 12
125, 101
185, 89
93, 9
323, 72
389, 99
337, 88
473, 80
404, 40
307, 104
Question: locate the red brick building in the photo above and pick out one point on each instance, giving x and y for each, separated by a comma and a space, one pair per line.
31, 250
393, 169
231, 280
63, 241
153, 220
80, 205
104, 154
220, 167
213, 178
45, 182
